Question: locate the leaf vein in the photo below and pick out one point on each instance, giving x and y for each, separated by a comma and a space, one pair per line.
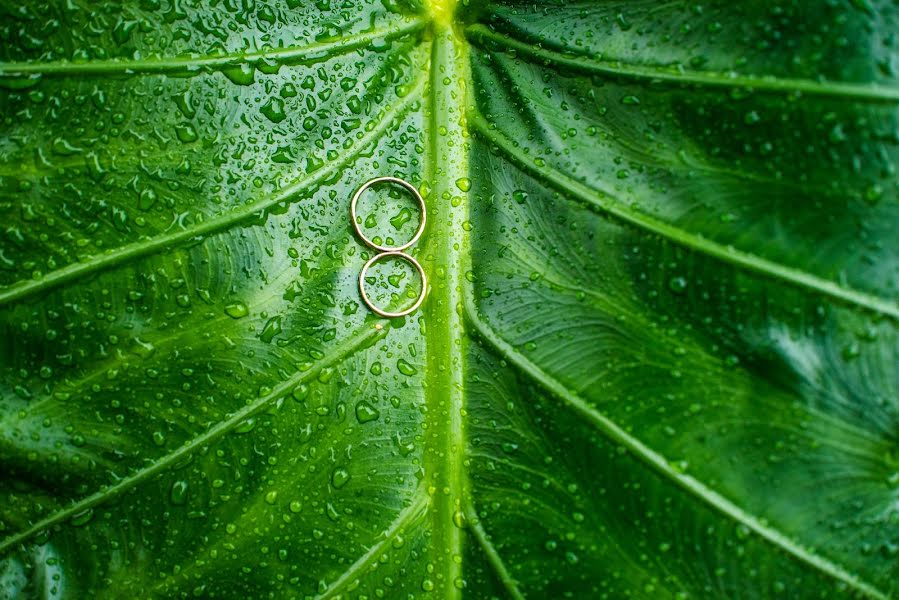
202, 229
314, 51
659, 464
405, 518
493, 557
354, 343
608, 203
674, 75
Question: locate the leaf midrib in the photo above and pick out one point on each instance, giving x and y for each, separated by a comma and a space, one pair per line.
447, 163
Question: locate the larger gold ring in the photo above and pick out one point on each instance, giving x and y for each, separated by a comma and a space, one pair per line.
411, 189
421, 273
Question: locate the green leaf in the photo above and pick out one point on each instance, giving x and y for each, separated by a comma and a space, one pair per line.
657, 358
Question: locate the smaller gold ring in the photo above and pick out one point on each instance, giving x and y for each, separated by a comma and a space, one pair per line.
415, 194
421, 273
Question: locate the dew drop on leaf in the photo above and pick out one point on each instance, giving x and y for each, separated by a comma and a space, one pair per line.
677, 284
459, 519
271, 329
186, 133
178, 493
401, 218
340, 477
274, 110
19, 83
147, 199
247, 426
405, 368
236, 310
366, 413
82, 518
243, 74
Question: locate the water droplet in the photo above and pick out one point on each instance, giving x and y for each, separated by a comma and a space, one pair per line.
365, 412
405, 448
459, 519
271, 329
874, 193
184, 104
63, 147
340, 477
142, 348
83, 517
851, 351
331, 512
401, 218
677, 284
274, 110
147, 199
243, 74
19, 83
247, 426
178, 493
94, 166
237, 310
326, 375
405, 368
186, 133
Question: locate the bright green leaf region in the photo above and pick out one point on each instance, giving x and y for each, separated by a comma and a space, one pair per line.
658, 354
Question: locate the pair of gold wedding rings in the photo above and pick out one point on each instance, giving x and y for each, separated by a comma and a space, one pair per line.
388, 251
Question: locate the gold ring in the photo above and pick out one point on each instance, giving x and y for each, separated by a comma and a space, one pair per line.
412, 190
421, 273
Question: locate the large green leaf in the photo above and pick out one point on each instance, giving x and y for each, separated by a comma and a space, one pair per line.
658, 357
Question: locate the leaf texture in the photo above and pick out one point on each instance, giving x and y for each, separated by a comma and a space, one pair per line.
658, 355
